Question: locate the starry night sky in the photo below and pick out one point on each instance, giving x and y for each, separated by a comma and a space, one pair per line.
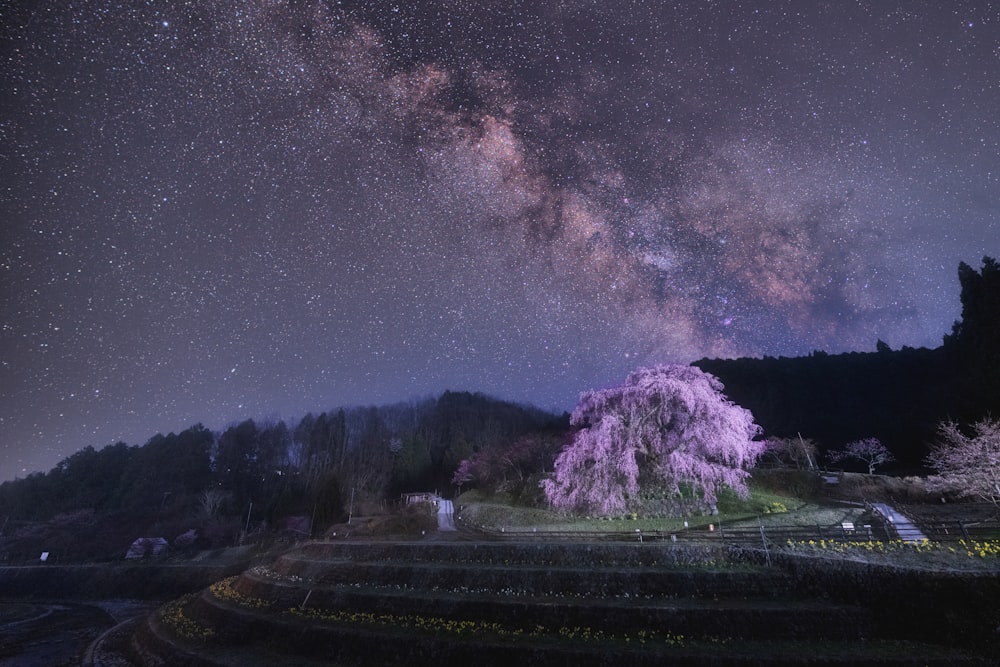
213, 210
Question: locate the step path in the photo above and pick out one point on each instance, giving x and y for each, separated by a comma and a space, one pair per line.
906, 529
446, 516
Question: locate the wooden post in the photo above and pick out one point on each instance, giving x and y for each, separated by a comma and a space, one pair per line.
763, 539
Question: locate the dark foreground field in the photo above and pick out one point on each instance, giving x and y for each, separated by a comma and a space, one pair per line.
51, 614
42, 634
611, 593
550, 603
59, 633
522, 597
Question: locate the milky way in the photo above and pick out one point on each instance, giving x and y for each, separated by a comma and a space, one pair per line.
216, 210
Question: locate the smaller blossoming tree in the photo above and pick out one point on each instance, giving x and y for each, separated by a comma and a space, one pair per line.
969, 464
505, 466
869, 451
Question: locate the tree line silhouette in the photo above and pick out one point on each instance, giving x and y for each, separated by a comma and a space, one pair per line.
257, 474
897, 396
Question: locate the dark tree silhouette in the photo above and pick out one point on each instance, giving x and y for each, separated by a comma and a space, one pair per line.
897, 396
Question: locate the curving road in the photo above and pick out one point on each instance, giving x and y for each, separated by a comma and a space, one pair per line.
45, 634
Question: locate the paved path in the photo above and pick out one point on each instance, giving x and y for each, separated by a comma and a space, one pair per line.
907, 531
446, 515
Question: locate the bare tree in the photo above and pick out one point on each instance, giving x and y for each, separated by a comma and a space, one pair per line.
869, 451
793, 452
210, 501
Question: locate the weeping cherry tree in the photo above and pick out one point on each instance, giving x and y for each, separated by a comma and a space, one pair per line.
665, 426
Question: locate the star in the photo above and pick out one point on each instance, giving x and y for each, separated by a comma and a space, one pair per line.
223, 210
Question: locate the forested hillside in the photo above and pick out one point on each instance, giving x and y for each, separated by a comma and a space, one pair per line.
255, 475
897, 396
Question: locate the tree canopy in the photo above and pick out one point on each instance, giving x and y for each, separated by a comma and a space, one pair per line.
664, 427
969, 464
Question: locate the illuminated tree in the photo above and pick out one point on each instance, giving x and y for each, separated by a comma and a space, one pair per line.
969, 464
870, 451
664, 427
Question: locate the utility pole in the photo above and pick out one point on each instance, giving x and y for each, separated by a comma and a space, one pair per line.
312, 520
350, 510
805, 450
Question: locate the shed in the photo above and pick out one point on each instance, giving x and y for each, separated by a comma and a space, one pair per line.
145, 547
421, 497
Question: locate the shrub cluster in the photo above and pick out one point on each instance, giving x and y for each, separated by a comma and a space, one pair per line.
172, 614
226, 590
989, 549
475, 629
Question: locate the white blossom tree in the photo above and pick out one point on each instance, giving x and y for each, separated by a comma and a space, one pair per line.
969, 464
668, 425
869, 451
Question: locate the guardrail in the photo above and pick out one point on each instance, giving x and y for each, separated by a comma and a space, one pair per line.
715, 533
952, 531
941, 531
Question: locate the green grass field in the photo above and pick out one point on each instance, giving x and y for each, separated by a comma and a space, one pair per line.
778, 499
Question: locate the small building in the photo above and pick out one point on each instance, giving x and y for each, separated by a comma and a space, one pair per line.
419, 497
297, 525
145, 547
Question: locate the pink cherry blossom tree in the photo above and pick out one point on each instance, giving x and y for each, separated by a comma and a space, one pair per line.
665, 426
869, 451
969, 464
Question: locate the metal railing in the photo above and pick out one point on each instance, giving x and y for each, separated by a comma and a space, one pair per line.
716, 533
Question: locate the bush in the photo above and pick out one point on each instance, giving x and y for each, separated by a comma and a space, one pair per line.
885, 488
803, 484
410, 521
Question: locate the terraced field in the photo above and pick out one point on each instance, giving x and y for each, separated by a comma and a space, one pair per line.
561, 603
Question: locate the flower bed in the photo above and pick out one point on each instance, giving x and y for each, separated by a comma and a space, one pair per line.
924, 554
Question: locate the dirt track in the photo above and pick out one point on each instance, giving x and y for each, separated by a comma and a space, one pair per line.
41, 634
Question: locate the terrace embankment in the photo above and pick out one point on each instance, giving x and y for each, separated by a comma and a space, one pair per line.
150, 579
108, 580
550, 603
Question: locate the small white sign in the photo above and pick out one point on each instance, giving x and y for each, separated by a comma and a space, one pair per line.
44, 557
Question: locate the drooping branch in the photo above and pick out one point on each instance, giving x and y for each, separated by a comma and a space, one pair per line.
669, 423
